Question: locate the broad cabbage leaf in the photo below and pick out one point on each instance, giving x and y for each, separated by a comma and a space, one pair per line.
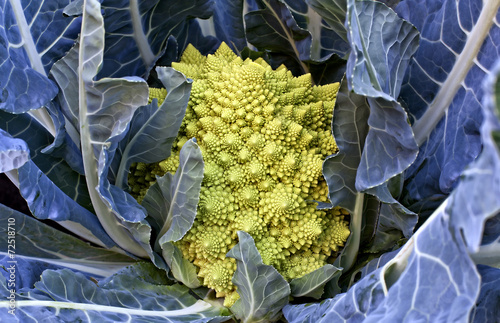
131, 294
13, 152
443, 92
433, 280
263, 291
433, 276
37, 240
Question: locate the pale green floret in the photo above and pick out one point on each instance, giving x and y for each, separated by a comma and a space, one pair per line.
251, 222
301, 263
271, 251
156, 93
264, 135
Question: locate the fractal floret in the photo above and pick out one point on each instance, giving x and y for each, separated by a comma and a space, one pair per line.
264, 135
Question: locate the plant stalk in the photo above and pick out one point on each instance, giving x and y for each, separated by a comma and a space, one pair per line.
120, 235
437, 109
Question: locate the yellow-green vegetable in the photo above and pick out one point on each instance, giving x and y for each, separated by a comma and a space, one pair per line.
264, 135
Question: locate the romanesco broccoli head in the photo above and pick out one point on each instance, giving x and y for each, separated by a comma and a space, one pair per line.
264, 135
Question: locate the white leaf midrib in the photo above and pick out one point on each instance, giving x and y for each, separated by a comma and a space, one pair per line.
118, 233
41, 115
147, 55
436, 110
27, 39
197, 308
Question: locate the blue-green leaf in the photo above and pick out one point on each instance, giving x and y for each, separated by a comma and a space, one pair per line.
487, 309
74, 8
130, 295
194, 34
263, 291
395, 222
69, 181
378, 262
66, 76
47, 201
26, 272
312, 284
333, 31
143, 27
386, 224
382, 45
142, 274
482, 176
182, 269
313, 17
273, 28
350, 127
105, 108
153, 129
389, 146
13, 152
353, 305
34, 35
37, 240
431, 279
230, 13
334, 14
172, 201
443, 92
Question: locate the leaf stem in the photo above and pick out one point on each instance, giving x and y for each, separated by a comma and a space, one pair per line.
436, 110
147, 55
13, 176
104, 213
196, 308
41, 115
290, 38
314, 27
82, 232
487, 255
372, 74
351, 249
75, 228
27, 39
98, 268
399, 262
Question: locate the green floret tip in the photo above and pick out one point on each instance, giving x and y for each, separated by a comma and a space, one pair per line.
264, 135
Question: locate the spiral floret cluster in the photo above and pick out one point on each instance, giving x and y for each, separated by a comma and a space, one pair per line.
264, 135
